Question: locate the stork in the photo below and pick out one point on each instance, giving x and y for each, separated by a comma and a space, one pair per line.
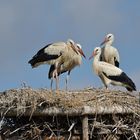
110, 74
72, 60
109, 53
53, 54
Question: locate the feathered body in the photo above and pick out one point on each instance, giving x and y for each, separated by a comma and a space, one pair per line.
109, 53
72, 60
110, 74
50, 54
61, 56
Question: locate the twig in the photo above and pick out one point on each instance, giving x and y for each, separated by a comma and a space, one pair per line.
69, 130
139, 97
133, 111
136, 136
68, 120
50, 129
7, 111
51, 135
2, 120
19, 129
69, 136
15, 130
40, 104
71, 127
117, 126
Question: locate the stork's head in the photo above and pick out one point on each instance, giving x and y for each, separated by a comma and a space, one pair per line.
79, 48
70, 41
108, 39
73, 45
97, 51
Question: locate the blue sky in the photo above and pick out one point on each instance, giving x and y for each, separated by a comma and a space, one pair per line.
26, 26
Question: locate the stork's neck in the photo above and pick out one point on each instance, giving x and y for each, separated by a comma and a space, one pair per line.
109, 43
96, 58
96, 63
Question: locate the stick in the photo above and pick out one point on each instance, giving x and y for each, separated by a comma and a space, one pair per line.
50, 129
71, 127
85, 127
18, 129
69, 130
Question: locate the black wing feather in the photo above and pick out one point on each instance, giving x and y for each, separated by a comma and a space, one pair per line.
116, 62
42, 50
124, 79
41, 56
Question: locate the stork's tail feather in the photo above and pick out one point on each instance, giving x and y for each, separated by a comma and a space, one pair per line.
131, 87
33, 62
130, 84
125, 80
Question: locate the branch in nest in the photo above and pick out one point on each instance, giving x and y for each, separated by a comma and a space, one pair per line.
71, 127
19, 129
50, 130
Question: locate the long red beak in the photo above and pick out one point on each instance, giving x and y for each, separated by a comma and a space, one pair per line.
106, 40
82, 53
91, 56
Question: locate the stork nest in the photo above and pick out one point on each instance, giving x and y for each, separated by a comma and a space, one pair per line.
25, 99
112, 114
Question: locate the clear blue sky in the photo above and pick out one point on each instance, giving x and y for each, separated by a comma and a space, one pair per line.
28, 25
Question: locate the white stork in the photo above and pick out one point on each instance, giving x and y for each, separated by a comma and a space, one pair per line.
75, 59
109, 53
109, 73
53, 54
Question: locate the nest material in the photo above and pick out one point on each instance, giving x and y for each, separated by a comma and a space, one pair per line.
27, 101
44, 114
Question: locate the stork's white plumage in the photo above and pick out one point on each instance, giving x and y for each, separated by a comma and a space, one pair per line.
72, 59
109, 73
109, 53
53, 54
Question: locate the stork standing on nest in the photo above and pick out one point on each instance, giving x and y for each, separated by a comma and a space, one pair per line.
53, 54
109, 73
72, 59
109, 53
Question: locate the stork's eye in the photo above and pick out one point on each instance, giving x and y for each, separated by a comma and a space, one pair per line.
109, 36
71, 42
78, 47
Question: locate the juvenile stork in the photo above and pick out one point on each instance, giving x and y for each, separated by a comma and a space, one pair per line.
73, 59
109, 73
53, 54
109, 53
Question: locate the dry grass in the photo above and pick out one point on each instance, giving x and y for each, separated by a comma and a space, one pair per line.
21, 100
